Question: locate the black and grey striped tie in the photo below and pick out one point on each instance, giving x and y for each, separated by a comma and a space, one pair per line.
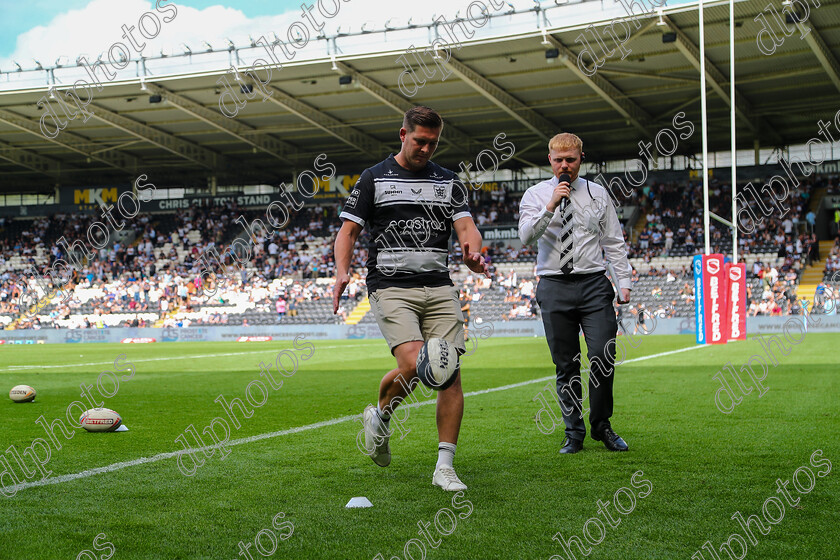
566, 264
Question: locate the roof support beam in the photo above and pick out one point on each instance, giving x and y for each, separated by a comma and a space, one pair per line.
718, 83
340, 130
117, 147
670, 112
74, 142
30, 160
652, 75
515, 108
827, 59
250, 135
400, 105
380, 92
184, 148
525, 150
616, 98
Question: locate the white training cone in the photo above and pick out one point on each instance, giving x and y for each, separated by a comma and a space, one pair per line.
360, 502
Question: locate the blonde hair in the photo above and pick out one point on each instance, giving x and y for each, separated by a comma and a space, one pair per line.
565, 141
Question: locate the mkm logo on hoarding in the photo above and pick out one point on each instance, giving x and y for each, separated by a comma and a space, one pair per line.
95, 196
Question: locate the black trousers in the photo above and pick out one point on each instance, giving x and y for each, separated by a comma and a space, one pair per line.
570, 303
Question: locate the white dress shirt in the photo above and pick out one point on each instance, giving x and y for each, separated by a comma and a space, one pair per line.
596, 227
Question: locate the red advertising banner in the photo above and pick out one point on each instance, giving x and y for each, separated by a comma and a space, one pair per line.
736, 301
714, 298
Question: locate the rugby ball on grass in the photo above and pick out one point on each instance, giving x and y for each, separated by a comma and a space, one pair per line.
437, 364
100, 420
22, 393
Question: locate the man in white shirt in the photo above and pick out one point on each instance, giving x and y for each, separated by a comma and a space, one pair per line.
787, 224
572, 220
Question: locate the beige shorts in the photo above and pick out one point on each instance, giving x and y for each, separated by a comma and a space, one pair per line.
408, 314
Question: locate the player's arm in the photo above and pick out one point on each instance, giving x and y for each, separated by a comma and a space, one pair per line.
357, 210
469, 236
344, 243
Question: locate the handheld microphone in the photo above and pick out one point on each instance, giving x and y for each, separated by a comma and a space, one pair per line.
564, 177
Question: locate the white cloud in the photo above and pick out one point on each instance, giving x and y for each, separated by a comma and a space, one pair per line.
92, 30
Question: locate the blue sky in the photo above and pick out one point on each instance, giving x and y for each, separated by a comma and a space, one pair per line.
17, 16
45, 32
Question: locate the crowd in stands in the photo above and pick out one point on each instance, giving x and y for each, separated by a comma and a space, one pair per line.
776, 293
160, 268
517, 292
832, 262
494, 207
673, 218
672, 213
157, 269
514, 295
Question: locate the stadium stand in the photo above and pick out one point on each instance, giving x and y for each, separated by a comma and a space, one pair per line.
152, 274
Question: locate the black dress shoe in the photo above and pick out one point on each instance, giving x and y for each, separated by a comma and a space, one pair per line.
611, 440
571, 446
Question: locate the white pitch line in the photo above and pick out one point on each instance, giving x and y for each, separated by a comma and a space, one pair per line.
185, 357
171, 454
668, 353
289, 431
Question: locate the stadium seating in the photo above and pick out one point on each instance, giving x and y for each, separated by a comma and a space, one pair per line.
162, 252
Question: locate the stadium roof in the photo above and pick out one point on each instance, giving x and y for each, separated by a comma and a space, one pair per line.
498, 84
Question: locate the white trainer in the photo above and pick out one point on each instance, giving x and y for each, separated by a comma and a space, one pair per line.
446, 478
376, 437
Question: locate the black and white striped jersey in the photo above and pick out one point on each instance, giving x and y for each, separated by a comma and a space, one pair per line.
409, 217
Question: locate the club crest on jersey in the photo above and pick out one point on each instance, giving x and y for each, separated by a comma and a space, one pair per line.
440, 191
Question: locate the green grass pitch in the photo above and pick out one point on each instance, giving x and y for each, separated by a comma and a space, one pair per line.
701, 466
